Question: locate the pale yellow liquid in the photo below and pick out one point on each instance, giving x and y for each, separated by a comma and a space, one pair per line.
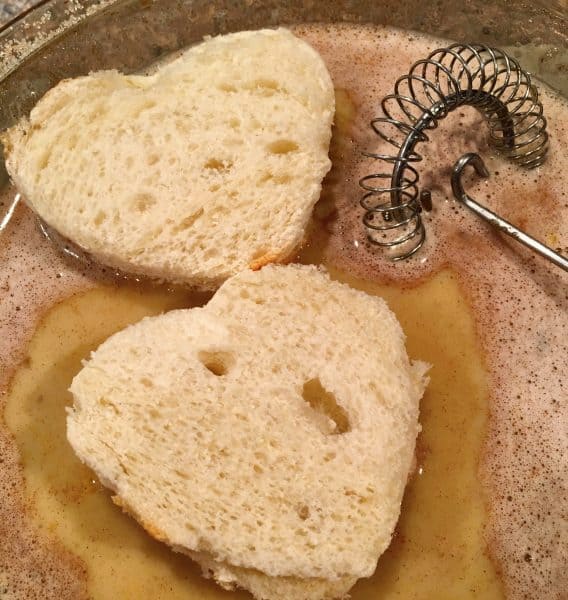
438, 551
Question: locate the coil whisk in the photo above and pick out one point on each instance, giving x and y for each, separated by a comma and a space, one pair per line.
475, 75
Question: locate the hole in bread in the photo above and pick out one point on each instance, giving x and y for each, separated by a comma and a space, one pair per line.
268, 84
123, 467
108, 404
329, 416
356, 495
218, 165
211, 253
100, 218
234, 123
217, 363
282, 147
262, 87
43, 160
262, 84
187, 222
72, 141
152, 159
227, 87
143, 201
303, 512
148, 104
281, 179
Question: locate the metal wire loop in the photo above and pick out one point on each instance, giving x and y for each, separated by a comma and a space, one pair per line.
462, 74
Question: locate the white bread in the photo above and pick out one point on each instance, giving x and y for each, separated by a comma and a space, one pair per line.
272, 588
202, 423
209, 166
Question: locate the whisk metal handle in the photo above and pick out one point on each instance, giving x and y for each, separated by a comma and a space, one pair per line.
498, 222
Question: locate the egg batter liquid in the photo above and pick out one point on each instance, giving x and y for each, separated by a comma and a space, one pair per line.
491, 319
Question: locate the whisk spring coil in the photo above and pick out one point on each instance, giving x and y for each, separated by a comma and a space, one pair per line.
475, 75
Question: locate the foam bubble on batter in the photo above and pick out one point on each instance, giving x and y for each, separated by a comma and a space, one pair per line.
520, 302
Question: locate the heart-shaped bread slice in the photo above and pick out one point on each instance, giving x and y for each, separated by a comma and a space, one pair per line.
268, 434
209, 166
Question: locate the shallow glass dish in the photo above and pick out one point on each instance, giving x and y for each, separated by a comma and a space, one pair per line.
61, 535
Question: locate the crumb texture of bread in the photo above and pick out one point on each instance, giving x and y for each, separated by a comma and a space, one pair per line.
269, 434
265, 587
208, 166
